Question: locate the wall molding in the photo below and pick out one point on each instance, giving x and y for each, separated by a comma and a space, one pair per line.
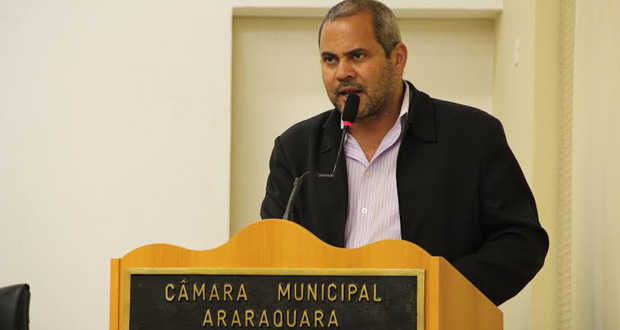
402, 13
565, 181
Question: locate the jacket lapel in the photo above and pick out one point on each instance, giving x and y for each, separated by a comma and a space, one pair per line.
416, 175
421, 115
331, 194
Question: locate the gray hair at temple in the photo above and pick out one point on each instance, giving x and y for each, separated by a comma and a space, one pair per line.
385, 26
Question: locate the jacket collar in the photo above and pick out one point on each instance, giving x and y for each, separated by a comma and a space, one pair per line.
421, 117
331, 128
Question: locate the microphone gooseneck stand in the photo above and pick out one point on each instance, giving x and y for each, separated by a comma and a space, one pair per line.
349, 115
300, 180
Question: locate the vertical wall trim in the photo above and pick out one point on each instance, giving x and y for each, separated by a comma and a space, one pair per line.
564, 300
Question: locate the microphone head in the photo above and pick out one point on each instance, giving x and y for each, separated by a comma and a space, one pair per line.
349, 114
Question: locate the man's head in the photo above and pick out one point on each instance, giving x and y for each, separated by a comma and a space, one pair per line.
361, 52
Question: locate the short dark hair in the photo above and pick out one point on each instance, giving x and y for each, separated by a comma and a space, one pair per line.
385, 26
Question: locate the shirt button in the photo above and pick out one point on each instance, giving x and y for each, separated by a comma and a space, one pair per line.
368, 173
364, 210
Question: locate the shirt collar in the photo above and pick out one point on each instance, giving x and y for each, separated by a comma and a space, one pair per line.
404, 107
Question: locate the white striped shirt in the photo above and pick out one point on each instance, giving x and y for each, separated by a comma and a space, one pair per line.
373, 196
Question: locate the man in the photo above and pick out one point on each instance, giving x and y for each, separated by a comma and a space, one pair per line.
435, 173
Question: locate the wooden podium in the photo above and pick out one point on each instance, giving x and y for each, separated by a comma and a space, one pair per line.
271, 247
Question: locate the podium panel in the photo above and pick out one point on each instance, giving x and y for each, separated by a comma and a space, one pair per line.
275, 274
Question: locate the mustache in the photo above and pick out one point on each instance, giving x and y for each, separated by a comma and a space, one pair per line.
344, 84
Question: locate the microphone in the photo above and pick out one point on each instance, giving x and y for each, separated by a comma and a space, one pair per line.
349, 114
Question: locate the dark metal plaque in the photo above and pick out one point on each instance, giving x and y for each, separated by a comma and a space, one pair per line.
196, 299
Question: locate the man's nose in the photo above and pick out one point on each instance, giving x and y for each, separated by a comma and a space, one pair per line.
345, 71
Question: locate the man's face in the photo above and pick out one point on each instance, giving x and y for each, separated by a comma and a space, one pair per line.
352, 61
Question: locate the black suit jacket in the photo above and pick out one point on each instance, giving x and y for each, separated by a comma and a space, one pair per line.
461, 192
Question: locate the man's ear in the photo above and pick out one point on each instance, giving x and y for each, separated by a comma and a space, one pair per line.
399, 56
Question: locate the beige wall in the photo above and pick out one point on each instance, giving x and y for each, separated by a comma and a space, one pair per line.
114, 133
276, 83
546, 155
536, 104
596, 164
514, 106
513, 79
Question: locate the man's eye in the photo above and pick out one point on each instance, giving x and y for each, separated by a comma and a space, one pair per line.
329, 59
358, 56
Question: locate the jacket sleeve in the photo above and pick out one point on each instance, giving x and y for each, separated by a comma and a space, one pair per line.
279, 184
515, 243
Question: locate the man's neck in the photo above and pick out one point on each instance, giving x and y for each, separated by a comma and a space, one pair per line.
370, 131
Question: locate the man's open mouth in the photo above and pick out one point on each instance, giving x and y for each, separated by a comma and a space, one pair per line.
346, 91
